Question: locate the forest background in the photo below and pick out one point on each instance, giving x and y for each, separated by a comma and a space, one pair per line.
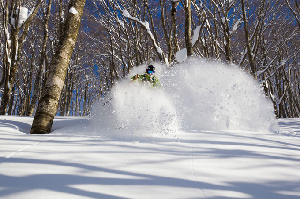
261, 37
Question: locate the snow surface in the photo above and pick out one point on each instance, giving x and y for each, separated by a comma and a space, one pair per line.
153, 143
76, 162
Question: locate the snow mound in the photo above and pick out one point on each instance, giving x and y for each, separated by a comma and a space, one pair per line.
195, 95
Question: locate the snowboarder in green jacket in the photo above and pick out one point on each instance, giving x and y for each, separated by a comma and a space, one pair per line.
148, 76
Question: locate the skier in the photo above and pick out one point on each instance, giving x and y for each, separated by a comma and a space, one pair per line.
148, 76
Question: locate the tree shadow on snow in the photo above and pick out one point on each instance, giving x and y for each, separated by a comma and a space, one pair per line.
197, 149
66, 183
23, 127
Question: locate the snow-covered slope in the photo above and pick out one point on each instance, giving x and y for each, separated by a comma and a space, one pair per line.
76, 162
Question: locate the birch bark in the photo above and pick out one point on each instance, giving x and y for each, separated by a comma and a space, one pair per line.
48, 103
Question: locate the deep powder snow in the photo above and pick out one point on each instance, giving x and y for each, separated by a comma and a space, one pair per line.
196, 94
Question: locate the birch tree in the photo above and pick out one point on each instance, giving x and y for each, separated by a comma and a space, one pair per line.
48, 103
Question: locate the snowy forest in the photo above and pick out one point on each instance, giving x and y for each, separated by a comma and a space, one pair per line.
115, 36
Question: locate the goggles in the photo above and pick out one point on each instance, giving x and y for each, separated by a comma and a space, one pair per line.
150, 72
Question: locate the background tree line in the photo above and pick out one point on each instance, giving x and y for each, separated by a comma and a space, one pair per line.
262, 37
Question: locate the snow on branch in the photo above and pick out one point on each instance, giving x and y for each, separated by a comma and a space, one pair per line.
196, 35
146, 26
28, 16
23, 15
236, 26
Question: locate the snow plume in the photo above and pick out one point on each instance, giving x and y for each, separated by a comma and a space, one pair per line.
138, 108
195, 95
215, 96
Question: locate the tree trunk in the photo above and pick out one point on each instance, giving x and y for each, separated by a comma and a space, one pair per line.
247, 40
168, 37
48, 104
173, 25
29, 84
188, 28
77, 109
11, 103
70, 88
38, 78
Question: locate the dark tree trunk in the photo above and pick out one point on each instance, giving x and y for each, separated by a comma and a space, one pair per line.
188, 28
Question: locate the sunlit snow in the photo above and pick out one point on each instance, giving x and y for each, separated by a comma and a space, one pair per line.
208, 132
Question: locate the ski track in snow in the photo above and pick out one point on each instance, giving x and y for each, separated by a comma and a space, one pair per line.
193, 170
27, 147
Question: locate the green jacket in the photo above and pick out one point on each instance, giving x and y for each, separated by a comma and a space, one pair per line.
147, 78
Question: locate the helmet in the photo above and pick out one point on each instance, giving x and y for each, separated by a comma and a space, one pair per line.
150, 69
